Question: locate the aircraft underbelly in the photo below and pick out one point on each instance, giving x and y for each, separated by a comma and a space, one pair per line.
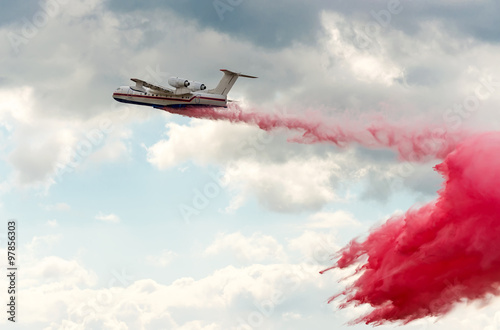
169, 101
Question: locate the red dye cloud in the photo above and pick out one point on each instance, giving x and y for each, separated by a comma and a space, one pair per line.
412, 144
424, 262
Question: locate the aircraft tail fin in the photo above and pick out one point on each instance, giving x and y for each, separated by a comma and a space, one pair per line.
227, 82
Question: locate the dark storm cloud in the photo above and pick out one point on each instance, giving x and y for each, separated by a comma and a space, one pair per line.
417, 178
15, 11
280, 23
423, 76
264, 23
479, 19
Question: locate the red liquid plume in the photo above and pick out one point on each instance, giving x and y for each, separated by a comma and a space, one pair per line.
424, 262
412, 144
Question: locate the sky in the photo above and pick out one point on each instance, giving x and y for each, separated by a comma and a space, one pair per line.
130, 217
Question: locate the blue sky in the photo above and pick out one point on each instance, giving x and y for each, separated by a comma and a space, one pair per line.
98, 187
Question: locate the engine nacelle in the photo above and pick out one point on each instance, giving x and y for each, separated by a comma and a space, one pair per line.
178, 82
197, 86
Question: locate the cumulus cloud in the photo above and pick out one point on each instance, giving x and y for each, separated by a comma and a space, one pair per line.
429, 58
255, 163
286, 177
41, 149
111, 217
54, 273
256, 295
56, 207
222, 142
331, 220
384, 181
393, 67
187, 302
255, 248
52, 223
38, 244
162, 259
273, 295
290, 187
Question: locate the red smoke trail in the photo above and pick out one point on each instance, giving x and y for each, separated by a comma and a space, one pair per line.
410, 143
424, 262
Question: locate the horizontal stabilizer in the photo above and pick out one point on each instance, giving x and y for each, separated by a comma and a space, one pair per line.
238, 74
227, 82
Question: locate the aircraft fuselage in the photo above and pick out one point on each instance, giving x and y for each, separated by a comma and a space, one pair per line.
150, 97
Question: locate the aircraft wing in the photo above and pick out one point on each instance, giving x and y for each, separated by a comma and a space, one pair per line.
141, 83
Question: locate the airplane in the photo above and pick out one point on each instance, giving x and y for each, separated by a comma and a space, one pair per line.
186, 92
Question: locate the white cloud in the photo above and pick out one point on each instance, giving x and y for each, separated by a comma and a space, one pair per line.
52, 223
285, 177
255, 248
277, 296
256, 164
222, 142
290, 316
54, 273
199, 325
44, 121
39, 243
112, 218
161, 260
372, 66
41, 148
331, 220
56, 207
184, 304
315, 247
34, 143
289, 187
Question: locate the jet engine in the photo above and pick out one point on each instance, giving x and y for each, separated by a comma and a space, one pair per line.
197, 86
178, 82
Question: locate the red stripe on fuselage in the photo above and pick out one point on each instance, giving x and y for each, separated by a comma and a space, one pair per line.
170, 98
